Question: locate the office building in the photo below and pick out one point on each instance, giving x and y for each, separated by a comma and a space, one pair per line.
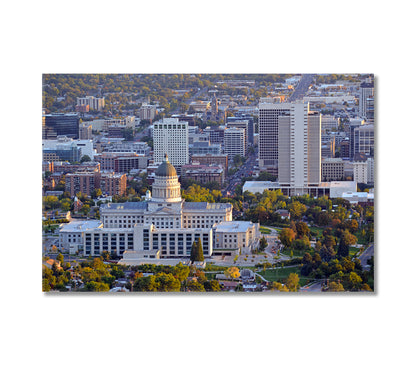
364, 171
363, 140
290, 143
202, 173
61, 124
332, 169
250, 129
240, 125
170, 136
216, 134
86, 146
366, 91
212, 159
198, 148
234, 142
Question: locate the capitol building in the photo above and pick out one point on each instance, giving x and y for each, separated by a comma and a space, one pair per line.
162, 228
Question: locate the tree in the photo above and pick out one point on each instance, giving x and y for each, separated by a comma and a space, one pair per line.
96, 287
232, 272
263, 244
297, 210
199, 253
276, 286
96, 192
193, 252
195, 286
292, 282
180, 271
345, 241
287, 236
60, 258
302, 229
335, 287
85, 158
212, 286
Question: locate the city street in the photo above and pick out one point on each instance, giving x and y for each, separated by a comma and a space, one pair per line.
366, 255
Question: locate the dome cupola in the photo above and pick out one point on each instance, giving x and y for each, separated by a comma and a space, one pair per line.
166, 169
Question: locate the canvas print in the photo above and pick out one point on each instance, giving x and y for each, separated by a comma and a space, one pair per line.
217, 183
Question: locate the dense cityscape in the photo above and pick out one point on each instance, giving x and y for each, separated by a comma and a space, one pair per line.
208, 183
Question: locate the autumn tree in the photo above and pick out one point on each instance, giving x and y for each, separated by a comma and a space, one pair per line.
297, 210
232, 272
292, 282
287, 236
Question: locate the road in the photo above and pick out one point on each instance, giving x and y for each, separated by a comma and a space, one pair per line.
242, 172
366, 255
302, 87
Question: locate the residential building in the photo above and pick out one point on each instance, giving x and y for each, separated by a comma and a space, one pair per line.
85, 131
147, 112
95, 103
121, 162
109, 183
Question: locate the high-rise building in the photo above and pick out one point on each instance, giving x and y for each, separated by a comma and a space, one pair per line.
147, 112
85, 131
250, 131
61, 124
240, 125
170, 136
234, 142
364, 140
366, 91
290, 143
95, 103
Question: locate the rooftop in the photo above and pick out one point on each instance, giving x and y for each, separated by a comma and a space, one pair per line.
137, 205
205, 205
232, 226
81, 226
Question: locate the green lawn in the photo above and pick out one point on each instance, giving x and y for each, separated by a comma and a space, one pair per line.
279, 275
354, 251
265, 230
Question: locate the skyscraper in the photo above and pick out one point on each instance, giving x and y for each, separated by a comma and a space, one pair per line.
366, 109
290, 143
170, 136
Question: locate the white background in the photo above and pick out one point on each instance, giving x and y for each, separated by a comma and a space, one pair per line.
189, 333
